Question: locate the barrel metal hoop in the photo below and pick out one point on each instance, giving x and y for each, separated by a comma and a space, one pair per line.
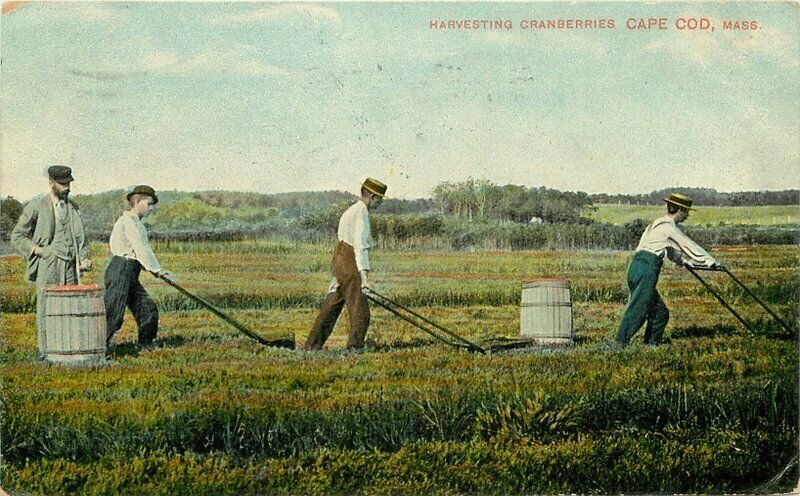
553, 304
87, 314
75, 352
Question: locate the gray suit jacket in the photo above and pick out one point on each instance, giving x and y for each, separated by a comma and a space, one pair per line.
37, 227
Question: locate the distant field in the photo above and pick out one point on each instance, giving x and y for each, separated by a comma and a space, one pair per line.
770, 215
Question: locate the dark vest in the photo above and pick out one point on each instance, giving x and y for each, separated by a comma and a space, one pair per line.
62, 245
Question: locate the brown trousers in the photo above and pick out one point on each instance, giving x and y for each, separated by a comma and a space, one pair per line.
348, 293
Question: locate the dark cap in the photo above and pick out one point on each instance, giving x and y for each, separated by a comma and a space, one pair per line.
143, 189
682, 201
60, 174
374, 186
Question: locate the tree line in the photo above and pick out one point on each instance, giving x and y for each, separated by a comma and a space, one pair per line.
459, 215
482, 199
706, 197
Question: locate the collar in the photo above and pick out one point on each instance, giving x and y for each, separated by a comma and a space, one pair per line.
132, 215
663, 220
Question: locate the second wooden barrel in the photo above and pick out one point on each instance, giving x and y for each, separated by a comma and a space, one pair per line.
75, 324
546, 313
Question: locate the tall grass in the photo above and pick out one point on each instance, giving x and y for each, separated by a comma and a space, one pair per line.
212, 412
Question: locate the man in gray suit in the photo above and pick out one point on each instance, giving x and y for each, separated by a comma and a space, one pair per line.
50, 235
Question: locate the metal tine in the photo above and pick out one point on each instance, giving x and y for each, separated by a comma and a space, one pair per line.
752, 295
720, 299
428, 321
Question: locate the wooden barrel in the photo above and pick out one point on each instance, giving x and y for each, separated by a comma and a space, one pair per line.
546, 313
75, 324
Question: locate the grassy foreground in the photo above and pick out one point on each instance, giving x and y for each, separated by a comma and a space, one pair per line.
212, 412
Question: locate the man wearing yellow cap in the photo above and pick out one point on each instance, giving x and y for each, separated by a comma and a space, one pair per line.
661, 239
350, 267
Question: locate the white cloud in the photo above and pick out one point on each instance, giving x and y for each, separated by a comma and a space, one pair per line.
160, 61
552, 42
230, 60
234, 59
770, 42
277, 12
87, 11
729, 47
700, 49
257, 68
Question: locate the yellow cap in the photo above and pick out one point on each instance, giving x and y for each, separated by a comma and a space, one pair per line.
680, 200
375, 187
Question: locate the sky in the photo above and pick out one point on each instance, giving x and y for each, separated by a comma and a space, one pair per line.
277, 97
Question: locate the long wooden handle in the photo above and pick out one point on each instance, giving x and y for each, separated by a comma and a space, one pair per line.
720, 299
394, 311
393, 307
752, 295
230, 320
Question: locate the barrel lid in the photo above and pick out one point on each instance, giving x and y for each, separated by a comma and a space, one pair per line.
553, 279
75, 288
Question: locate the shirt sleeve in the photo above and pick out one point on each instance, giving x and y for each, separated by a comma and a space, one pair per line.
361, 240
137, 237
690, 252
22, 234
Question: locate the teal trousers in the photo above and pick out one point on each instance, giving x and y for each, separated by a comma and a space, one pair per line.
645, 304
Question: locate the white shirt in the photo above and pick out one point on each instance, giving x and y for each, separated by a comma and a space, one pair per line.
663, 238
354, 230
129, 240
